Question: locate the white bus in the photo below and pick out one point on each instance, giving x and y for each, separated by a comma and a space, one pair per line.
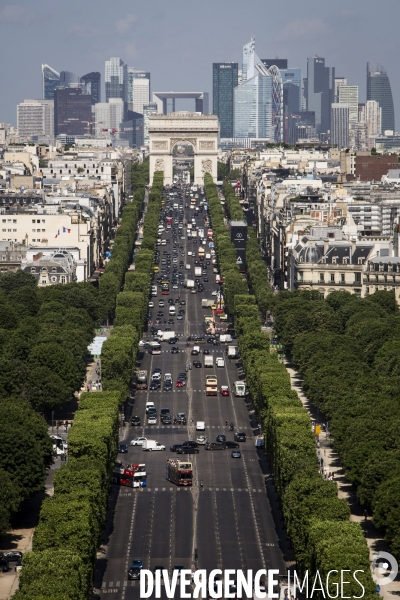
154, 348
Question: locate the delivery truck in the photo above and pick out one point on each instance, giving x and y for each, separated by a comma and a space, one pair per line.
189, 283
207, 303
197, 271
208, 361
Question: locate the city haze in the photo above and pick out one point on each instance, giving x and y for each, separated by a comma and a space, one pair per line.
177, 41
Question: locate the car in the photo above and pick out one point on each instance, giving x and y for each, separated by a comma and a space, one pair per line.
138, 441
221, 438
174, 349
205, 279
210, 340
166, 419
190, 443
187, 450
157, 370
215, 446
182, 376
182, 302
161, 303
194, 352
214, 293
224, 390
216, 342
154, 385
240, 436
205, 351
152, 420
197, 364
181, 418
179, 317
229, 444
170, 321
236, 454
160, 313
122, 448
167, 386
151, 304
135, 421
167, 377
180, 383
175, 447
201, 439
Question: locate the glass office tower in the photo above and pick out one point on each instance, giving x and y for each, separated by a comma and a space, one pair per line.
51, 80
116, 76
92, 82
225, 79
72, 111
378, 89
319, 91
138, 89
253, 106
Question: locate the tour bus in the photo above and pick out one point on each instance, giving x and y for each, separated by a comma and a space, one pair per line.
154, 348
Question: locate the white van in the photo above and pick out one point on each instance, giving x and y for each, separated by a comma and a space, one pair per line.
225, 338
150, 445
200, 426
172, 311
154, 290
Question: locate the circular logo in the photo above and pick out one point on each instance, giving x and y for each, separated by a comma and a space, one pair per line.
384, 568
239, 235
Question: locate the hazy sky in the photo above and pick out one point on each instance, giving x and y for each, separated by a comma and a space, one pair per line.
178, 40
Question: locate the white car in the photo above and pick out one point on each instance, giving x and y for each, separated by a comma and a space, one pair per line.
200, 426
215, 293
167, 377
138, 441
201, 439
190, 253
151, 304
152, 420
161, 303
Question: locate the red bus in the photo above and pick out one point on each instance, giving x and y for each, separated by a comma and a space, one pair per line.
129, 475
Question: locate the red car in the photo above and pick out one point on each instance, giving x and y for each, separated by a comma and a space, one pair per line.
165, 292
224, 390
180, 383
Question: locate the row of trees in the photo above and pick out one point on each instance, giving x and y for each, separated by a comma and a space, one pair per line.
316, 520
225, 251
347, 351
66, 539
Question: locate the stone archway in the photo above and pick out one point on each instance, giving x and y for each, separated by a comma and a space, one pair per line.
201, 131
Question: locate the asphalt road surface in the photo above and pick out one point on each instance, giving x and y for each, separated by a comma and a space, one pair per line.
230, 521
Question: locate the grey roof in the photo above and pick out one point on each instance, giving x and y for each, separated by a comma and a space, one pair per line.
385, 259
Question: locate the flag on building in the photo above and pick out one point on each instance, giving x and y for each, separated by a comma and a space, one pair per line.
58, 233
66, 230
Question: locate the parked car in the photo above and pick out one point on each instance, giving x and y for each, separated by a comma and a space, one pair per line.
135, 421
123, 449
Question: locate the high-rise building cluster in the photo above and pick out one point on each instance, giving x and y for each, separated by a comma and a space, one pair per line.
267, 100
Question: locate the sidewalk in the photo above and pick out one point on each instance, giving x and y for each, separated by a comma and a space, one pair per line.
331, 464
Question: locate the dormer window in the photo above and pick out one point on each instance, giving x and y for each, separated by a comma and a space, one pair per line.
360, 261
334, 260
390, 267
345, 260
381, 268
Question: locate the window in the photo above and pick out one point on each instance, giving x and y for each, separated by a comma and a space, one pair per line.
4, 230
345, 259
380, 268
63, 279
366, 291
43, 230
4, 221
33, 221
332, 277
33, 269
14, 220
342, 278
33, 230
44, 281
4, 257
300, 276
33, 240
321, 278
360, 261
54, 279
14, 231
334, 260
9, 230
43, 220
357, 277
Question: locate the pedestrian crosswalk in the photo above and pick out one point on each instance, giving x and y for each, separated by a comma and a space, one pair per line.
190, 488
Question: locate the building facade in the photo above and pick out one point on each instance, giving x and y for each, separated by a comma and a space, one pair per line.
35, 118
253, 106
116, 79
92, 81
72, 112
108, 116
348, 94
225, 79
50, 81
378, 89
148, 109
340, 125
138, 90
319, 92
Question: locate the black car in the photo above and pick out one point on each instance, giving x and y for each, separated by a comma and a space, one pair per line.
123, 449
170, 321
190, 443
154, 385
175, 447
166, 419
205, 279
216, 342
240, 436
187, 450
215, 446
205, 351
167, 386
181, 419
221, 438
210, 340
172, 340
134, 573
197, 364
174, 350
229, 444
135, 421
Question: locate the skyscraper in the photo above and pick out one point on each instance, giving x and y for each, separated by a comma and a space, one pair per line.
92, 82
50, 80
116, 79
225, 79
249, 60
378, 89
35, 118
338, 82
138, 90
68, 79
72, 111
340, 125
319, 92
108, 116
253, 105
348, 94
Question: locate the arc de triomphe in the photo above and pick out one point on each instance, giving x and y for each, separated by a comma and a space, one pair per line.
166, 131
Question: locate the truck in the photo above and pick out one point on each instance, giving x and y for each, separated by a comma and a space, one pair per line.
207, 303
197, 271
201, 233
211, 385
165, 336
232, 352
208, 361
201, 252
179, 471
132, 475
225, 338
189, 283
168, 220
239, 389
141, 380
151, 445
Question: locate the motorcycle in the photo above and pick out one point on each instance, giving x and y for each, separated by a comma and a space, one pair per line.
231, 428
